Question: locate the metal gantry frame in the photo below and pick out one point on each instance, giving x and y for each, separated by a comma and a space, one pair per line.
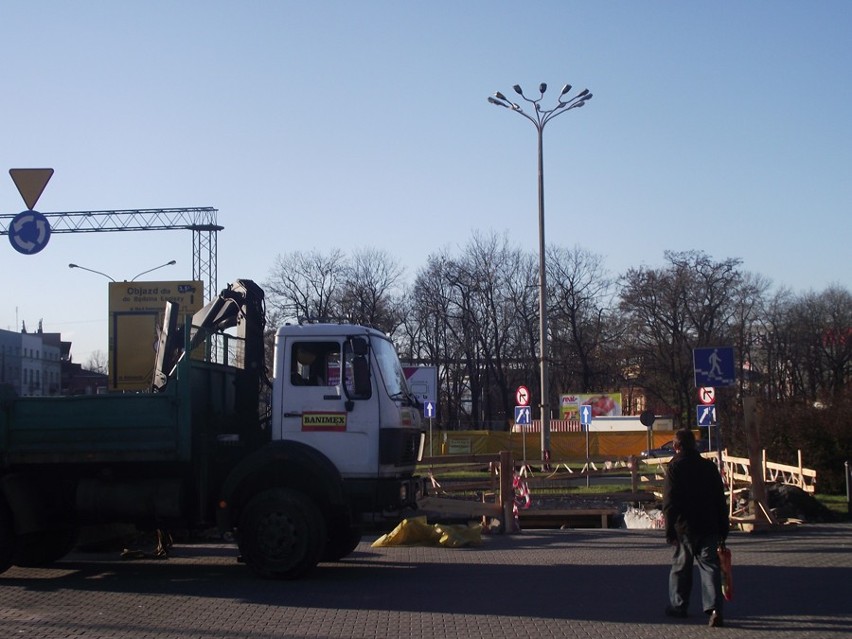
200, 220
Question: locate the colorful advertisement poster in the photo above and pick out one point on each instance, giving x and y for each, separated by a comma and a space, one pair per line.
603, 405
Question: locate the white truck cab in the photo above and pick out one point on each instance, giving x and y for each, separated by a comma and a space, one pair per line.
341, 388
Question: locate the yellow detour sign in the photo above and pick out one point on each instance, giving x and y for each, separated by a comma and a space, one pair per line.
31, 183
135, 321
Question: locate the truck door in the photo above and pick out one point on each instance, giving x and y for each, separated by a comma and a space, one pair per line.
317, 410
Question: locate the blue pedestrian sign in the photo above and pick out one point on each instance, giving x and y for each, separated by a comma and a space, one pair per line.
429, 409
523, 416
714, 366
706, 414
585, 415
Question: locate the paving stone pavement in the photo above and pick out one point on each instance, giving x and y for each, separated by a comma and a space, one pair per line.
789, 583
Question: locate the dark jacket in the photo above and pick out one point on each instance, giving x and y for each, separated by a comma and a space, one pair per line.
694, 498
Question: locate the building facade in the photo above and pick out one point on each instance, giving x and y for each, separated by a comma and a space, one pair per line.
31, 363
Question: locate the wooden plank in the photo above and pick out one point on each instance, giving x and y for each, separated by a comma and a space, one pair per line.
566, 517
458, 507
570, 511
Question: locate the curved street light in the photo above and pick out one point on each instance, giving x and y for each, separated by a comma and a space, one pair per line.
111, 279
169, 263
539, 119
91, 270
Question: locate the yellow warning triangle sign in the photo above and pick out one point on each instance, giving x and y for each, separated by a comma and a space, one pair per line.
31, 183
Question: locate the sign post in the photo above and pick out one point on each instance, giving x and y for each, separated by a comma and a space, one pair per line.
586, 421
714, 367
522, 419
429, 413
647, 419
522, 412
29, 231
705, 412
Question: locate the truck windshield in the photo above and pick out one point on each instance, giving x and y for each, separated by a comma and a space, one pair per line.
390, 369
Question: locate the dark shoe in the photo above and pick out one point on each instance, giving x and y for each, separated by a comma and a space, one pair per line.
715, 620
671, 611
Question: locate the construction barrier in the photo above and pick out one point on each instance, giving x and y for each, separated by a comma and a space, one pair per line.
563, 445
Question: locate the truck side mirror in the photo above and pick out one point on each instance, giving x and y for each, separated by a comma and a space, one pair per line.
359, 346
357, 350
361, 376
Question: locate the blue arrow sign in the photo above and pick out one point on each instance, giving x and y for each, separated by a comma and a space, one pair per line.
585, 415
522, 415
706, 414
429, 409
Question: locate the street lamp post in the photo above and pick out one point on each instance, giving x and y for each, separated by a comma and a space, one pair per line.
111, 279
169, 263
91, 270
539, 119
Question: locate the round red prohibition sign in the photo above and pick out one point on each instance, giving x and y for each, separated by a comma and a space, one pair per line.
707, 395
522, 396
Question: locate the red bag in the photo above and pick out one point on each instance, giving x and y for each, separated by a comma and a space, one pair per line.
727, 575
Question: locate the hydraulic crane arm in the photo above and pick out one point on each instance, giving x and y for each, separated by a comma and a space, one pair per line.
241, 305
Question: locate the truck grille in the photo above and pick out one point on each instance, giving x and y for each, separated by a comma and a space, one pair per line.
399, 446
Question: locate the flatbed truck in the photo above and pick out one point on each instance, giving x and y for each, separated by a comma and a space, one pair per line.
292, 466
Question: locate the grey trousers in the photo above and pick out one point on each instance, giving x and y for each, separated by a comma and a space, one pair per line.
703, 552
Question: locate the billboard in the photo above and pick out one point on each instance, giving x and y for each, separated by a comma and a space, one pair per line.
603, 405
423, 382
135, 319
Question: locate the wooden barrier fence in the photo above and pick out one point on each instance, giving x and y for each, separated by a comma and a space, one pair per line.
497, 491
497, 494
738, 469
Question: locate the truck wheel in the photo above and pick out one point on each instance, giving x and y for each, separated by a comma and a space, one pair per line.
281, 534
43, 548
341, 542
7, 537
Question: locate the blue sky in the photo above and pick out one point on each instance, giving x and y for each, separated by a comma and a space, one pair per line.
720, 126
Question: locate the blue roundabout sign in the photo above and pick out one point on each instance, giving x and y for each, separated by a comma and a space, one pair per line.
29, 232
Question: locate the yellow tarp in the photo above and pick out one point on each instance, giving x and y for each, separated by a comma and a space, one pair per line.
418, 532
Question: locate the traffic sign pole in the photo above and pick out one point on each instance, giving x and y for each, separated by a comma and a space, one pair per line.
586, 421
429, 411
523, 418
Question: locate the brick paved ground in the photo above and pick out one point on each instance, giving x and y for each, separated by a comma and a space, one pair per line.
540, 584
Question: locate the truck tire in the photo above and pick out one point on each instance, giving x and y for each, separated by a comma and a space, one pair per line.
33, 550
7, 537
281, 534
341, 542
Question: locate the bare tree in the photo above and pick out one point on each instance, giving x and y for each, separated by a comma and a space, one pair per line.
371, 291
98, 362
307, 285
804, 364
581, 298
689, 304
439, 340
468, 312
824, 326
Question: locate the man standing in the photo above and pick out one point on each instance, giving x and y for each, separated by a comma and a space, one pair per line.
696, 523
